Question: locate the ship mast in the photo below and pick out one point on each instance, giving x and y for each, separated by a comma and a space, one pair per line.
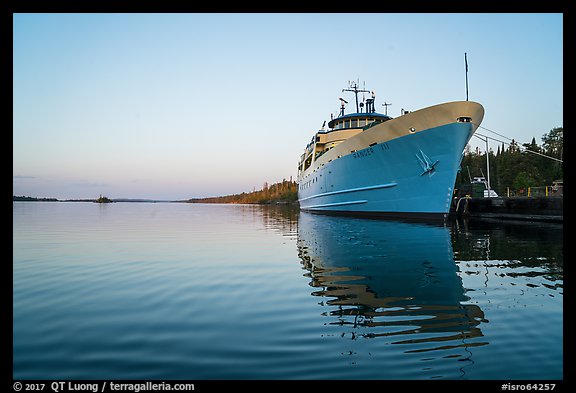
466, 66
353, 87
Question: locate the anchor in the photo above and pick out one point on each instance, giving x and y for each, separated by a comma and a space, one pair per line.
426, 164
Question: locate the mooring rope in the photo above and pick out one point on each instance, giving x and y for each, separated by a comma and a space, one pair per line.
513, 143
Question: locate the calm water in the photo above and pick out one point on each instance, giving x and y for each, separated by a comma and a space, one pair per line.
191, 291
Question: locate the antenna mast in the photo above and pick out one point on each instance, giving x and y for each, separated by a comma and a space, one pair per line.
353, 87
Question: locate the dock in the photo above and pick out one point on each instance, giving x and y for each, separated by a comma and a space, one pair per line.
549, 209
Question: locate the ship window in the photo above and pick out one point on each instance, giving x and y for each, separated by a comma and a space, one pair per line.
347, 124
354, 123
361, 122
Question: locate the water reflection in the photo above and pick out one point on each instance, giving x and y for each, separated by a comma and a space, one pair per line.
526, 242
391, 280
283, 218
523, 258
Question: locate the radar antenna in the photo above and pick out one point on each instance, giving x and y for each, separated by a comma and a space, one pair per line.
342, 102
386, 104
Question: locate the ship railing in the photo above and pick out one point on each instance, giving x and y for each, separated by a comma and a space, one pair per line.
535, 192
545, 191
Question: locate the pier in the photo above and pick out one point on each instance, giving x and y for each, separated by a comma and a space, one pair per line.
514, 208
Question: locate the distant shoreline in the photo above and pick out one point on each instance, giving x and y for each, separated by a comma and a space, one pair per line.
281, 193
128, 200
34, 199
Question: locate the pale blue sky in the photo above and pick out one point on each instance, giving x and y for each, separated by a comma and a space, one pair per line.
175, 106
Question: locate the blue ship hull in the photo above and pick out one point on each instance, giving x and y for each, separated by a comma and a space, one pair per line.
409, 175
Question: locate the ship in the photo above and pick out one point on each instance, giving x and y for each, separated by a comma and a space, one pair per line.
369, 163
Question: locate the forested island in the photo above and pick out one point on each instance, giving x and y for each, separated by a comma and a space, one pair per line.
103, 199
284, 192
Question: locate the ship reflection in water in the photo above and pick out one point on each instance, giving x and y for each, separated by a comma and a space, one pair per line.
392, 280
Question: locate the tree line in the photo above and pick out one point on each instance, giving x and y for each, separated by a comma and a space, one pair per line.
516, 167
285, 191
23, 198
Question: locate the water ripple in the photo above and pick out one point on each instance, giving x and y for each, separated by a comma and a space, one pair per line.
188, 291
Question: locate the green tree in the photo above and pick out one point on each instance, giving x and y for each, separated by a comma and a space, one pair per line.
553, 145
523, 180
553, 142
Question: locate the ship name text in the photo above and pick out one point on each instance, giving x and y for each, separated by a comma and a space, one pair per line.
369, 151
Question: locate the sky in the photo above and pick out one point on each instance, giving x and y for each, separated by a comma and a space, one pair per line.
178, 106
